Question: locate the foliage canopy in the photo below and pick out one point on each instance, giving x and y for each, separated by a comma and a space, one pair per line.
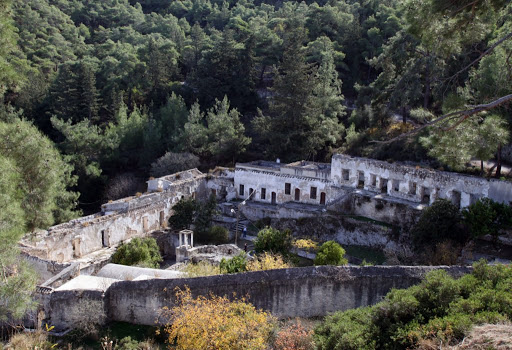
143, 252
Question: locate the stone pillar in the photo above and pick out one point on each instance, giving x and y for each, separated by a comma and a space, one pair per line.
434, 194
465, 199
366, 180
390, 187
180, 239
192, 239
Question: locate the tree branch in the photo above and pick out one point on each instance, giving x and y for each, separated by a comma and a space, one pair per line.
486, 52
462, 115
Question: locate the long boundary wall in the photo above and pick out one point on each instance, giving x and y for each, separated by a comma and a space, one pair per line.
294, 292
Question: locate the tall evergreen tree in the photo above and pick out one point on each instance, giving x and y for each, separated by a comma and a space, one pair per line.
218, 135
306, 105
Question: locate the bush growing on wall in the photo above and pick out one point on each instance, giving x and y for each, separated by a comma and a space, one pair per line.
218, 235
438, 223
203, 220
236, 264
183, 215
142, 252
216, 323
330, 253
487, 217
267, 261
271, 239
440, 309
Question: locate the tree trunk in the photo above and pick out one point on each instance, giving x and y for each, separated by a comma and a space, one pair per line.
498, 162
481, 167
426, 96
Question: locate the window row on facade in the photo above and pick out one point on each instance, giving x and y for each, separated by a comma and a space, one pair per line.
313, 193
405, 189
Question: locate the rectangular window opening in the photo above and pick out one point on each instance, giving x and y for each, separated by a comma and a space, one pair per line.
312, 194
346, 174
383, 185
425, 198
360, 181
241, 191
287, 188
263, 193
373, 180
412, 188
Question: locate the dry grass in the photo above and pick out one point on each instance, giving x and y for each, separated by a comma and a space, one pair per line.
484, 337
28, 341
203, 268
488, 337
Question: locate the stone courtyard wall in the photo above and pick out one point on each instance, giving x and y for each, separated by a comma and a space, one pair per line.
294, 292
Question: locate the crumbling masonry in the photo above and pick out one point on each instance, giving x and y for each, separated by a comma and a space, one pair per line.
379, 190
348, 188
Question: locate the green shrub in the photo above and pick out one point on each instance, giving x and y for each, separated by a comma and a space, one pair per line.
349, 330
273, 240
183, 215
439, 307
262, 223
439, 222
218, 235
203, 220
142, 252
236, 264
127, 343
330, 253
487, 217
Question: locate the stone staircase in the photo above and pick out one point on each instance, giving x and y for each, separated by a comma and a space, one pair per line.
242, 222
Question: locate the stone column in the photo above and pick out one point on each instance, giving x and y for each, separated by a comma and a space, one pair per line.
465, 199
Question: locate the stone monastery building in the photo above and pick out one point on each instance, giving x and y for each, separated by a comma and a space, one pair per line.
378, 190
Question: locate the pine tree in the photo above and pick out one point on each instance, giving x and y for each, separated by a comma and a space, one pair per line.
218, 134
306, 106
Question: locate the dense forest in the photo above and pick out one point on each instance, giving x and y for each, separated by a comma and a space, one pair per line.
127, 89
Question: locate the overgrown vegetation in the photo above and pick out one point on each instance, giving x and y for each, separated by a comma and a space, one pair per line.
487, 217
442, 229
294, 337
236, 264
439, 307
183, 214
218, 235
189, 211
202, 268
216, 323
267, 261
143, 252
330, 253
438, 223
273, 240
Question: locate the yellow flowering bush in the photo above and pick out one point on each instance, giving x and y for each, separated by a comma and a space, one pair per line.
202, 268
267, 261
216, 323
306, 244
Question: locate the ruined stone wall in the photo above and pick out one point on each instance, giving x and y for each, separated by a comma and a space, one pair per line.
45, 269
294, 292
394, 212
416, 184
140, 216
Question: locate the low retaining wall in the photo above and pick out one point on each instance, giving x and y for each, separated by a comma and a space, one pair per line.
294, 292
